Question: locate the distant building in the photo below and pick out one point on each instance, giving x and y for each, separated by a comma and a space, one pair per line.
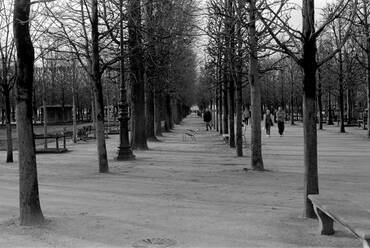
57, 113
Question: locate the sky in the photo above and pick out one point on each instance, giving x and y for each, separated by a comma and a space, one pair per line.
296, 21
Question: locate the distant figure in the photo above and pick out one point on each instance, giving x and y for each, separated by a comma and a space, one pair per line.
207, 117
246, 116
280, 118
268, 122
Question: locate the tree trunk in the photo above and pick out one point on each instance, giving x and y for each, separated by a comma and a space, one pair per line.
99, 101
44, 103
225, 105
150, 71
330, 114
254, 81
150, 128
239, 84
157, 112
319, 100
9, 136
29, 202
168, 113
138, 132
292, 98
341, 93
368, 83
230, 65
220, 109
74, 110
311, 185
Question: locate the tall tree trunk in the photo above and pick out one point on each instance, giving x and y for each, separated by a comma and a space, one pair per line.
341, 93
9, 136
309, 65
99, 101
138, 132
29, 202
74, 109
330, 114
150, 115
291, 97
44, 102
220, 104
157, 112
225, 104
254, 81
219, 82
168, 113
150, 71
368, 76
319, 101
239, 83
230, 65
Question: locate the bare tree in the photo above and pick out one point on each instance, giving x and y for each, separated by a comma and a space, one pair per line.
30, 210
308, 61
8, 70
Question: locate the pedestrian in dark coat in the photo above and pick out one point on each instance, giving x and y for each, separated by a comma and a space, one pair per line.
280, 118
207, 117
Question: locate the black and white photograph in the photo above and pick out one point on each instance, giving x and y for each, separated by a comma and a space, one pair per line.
184, 124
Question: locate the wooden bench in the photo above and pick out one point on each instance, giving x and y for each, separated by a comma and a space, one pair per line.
344, 212
57, 136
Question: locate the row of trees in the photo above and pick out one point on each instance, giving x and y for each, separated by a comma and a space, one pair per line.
256, 56
145, 46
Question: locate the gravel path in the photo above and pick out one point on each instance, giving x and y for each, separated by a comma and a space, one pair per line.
195, 193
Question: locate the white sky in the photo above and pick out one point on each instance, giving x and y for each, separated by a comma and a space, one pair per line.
296, 21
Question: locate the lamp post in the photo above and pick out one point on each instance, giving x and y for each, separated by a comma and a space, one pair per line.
124, 149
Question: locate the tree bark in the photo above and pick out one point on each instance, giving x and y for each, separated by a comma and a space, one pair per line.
341, 92
319, 101
309, 65
256, 146
9, 136
330, 114
150, 72
239, 84
225, 104
98, 89
291, 97
230, 65
74, 109
368, 76
220, 107
29, 202
138, 132
157, 112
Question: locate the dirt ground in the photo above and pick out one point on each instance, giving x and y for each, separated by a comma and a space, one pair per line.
195, 193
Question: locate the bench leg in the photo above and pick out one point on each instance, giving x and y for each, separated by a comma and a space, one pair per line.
326, 223
366, 243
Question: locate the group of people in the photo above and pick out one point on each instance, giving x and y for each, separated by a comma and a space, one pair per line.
280, 119
268, 120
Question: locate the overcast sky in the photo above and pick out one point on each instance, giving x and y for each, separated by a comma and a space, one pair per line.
296, 21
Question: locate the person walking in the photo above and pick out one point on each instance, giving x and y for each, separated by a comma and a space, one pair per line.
268, 123
246, 116
280, 118
207, 117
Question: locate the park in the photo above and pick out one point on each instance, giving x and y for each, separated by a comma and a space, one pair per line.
214, 123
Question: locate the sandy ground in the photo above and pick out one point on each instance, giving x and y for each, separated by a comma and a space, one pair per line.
195, 193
